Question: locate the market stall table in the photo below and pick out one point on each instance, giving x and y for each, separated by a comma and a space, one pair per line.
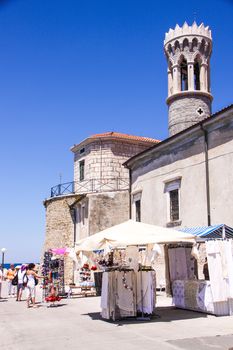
83, 291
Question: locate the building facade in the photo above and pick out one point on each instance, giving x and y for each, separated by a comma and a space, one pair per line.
186, 180
98, 197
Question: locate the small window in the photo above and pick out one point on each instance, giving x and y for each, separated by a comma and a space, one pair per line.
138, 210
174, 205
82, 150
172, 189
81, 170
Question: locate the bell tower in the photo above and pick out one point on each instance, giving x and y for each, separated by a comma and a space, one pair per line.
188, 50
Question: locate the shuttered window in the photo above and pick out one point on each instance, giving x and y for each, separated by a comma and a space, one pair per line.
81, 170
174, 205
138, 210
172, 188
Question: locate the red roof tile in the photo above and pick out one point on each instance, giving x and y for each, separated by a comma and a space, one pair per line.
118, 135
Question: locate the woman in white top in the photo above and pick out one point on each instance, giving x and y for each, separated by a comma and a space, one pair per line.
21, 273
31, 284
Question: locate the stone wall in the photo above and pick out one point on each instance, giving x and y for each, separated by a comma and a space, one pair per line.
60, 228
104, 159
107, 209
183, 111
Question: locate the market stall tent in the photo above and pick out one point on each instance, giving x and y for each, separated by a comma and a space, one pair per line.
206, 232
132, 233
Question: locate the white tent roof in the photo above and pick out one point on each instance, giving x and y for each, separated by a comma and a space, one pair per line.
132, 233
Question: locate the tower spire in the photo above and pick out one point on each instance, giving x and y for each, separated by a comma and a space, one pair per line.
188, 50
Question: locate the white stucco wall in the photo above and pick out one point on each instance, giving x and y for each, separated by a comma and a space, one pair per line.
185, 159
221, 175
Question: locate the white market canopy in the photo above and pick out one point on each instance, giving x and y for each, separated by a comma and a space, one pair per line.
132, 233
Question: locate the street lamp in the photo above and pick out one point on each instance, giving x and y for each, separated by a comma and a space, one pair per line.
3, 254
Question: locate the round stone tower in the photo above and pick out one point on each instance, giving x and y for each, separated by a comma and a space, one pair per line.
188, 50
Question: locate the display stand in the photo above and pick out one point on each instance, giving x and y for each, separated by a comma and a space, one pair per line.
143, 317
53, 272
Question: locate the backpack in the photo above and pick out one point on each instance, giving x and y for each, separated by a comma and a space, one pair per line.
25, 280
15, 280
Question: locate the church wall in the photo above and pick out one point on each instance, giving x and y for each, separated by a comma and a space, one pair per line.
221, 174
185, 161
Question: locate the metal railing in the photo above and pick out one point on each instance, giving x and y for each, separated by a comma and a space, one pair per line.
90, 186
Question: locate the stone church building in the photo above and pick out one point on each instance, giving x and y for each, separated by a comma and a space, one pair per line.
98, 197
185, 180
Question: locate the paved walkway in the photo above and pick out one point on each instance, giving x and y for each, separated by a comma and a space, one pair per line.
76, 324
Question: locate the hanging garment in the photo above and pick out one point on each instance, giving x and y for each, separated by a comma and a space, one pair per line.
177, 264
229, 266
104, 303
190, 262
146, 287
178, 293
218, 284
222, 248
191, 289
195, 252
205, 298
125, 293
132, 257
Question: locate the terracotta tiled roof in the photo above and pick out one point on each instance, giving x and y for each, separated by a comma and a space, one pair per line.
118, 135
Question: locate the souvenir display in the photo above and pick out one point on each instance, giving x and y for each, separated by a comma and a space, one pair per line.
53, 272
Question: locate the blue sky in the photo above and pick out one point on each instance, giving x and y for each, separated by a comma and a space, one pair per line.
69, 69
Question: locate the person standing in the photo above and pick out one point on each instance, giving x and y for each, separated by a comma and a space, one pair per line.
9, 276
31, 284
206, 270
21, 273
1, 279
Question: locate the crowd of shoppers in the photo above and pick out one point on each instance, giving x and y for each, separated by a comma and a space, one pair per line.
18, 279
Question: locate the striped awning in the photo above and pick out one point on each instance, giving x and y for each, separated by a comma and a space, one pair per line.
215, 231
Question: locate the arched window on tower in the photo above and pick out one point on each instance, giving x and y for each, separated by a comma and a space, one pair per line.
170, 78
202, 47
169, 49
197, 85
185, 44
194, 44
208, 76
177, 46
184, 75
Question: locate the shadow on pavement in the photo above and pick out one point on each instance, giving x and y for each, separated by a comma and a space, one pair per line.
55, 305
163, 314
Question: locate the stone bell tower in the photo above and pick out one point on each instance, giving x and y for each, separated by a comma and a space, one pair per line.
188, 50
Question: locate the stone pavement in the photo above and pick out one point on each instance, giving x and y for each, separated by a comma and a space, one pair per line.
76, 324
